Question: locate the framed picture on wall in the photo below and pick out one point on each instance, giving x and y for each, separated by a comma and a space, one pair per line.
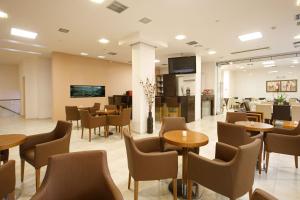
288, 86
273, 86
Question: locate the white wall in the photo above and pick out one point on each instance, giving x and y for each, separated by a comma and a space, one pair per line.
186, 81
38, 91
208, 75
253, 83
9, 87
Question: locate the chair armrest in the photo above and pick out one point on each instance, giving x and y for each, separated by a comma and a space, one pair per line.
45, 150
284, 131
7, 177
225, 152
279, 143
260, 194
258, 136
147, 145
33, 140
98, 120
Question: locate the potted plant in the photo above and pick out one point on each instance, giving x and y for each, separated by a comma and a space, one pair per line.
280, 99
149, 90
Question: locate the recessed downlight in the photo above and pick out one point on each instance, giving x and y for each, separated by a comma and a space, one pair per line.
271, 72
250, 36
292, 66
180, 37
242, 67
295, 62
268, 66
156, 61
23, 33
211, 52
297, 37
101, 57
97, 1
103, 40
268, 62
3, 14
84, 54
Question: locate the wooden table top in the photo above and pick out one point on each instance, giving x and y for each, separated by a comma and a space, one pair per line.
255, 126
290, 124
10, 140
191, 140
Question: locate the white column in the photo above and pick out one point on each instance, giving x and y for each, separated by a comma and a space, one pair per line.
143, 67
198, 87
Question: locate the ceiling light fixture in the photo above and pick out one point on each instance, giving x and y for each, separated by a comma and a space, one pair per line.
270, 72
103, 41
297, 37
3, 14
295, 62
84, 54
298, 3
268, 62
23, 33
156, 61
268, 66
101, 57
20, 51
250, 36
211, 52
242, 67
180, 37
97, 1
23, 43
292, 66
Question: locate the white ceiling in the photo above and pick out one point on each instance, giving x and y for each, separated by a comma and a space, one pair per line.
215, 24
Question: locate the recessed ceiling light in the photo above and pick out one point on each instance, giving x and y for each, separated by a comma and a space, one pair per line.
84, 54
211, 52
101, 57
97, 1
292, 66
156, 61
230, 63
23, 43
103, 41
23, 33
268, 66
180, 37
270, 72
295, 62
20, 51
242, 67
3, 14
268, 62
297, 37
250, 36
298, 3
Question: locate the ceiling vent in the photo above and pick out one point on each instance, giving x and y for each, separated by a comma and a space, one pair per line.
63, 30
112, 53
117, 7
191, 43
250, 50
145, 20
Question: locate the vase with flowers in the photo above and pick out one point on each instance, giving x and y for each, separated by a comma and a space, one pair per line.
149, 90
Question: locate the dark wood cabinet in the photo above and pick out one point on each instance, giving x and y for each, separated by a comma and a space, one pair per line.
169, 85
187, 107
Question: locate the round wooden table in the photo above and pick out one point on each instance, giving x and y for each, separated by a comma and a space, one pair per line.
10, 140
255, 126
191, 140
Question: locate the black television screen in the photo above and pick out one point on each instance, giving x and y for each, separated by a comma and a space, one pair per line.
182, 65
77, 91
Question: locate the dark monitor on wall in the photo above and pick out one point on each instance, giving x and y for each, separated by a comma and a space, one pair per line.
182, 65
82, 91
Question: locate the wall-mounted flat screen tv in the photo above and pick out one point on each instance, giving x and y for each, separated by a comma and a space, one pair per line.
182, 65
81, 91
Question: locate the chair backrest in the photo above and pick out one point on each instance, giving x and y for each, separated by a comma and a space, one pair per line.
110, 107
79, 175
62, 129
132, 152
232, 117
243, 170
97, 106
72, 113
172, 123
266, 109
259, 194
281, 112
85, 118
247, 105
232, 134
295, 113
7, 178
125, 116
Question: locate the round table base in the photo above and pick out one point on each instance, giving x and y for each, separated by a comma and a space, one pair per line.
182, 189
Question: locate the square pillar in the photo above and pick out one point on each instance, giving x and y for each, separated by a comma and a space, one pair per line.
198, 87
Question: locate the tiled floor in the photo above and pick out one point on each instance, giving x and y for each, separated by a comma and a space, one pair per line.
282, 180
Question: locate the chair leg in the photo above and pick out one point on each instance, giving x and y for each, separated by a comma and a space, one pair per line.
90, 134
267, 161
250, 193
22, 169
11, 196
37, 178
174, 188
82, 133
260, 159
189, 187
129, 128
121, 131
99, 130
136, 190
129, 181
94, 131
77, 124
116, 129
296, 162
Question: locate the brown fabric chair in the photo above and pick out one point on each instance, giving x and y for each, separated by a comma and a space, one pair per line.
283, 141
38, 148
120, 120
232, 117
236, 135
147, 162
93, 110
170, 124
81, 175
111, 107
72, 114
259, 194
7, 180
91, 122
231, 173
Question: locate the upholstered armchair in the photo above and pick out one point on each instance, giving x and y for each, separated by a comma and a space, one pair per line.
72, 114
7, 180
80, 175
283, 141
231, 173
120, 120
232, 117
236, 135
90, 122
4, 156
170, 124
38, 148
147, 162
259, 194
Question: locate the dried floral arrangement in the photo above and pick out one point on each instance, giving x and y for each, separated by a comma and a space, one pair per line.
149, 90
